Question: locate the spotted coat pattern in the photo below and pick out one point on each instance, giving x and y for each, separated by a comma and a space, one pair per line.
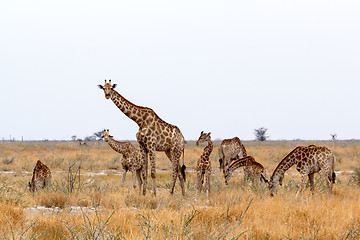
255, 171
154, 135
41, 177
229, 150
132, 160
308, 160
203, 167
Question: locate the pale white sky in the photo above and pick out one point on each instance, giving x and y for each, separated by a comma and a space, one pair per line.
222, 66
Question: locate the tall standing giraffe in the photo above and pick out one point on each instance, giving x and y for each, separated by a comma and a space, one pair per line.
154, 135
204, 164
308, 160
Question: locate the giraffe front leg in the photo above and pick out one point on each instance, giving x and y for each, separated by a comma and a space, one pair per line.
123, 178
327, 177
134, 177
311, 180
301, 185
208, 173
199, 183
144, 154
138, 176
153, 169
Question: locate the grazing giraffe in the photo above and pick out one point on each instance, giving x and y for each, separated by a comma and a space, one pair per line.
154, 135
41, 177
230, 149
132, 161
308, 160
255, 170
204, 164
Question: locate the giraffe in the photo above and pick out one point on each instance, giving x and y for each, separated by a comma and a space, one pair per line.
230, 149
132, 161
41, 177
308, 160
255, 170
204, 164
154, 135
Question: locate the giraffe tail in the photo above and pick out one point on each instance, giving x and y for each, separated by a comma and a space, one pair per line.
333, 177
183, 167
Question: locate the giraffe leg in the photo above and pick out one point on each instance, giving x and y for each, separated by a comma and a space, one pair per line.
138, 176
134, 177
311, 180
143, 173
144, 154
152, 157
199, 183
174, 157
208, 173
327, 177
301, 185
123, 178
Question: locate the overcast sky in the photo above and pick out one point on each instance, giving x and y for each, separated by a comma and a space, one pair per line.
227, 67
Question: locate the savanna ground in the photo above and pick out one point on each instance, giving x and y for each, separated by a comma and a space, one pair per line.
98, 207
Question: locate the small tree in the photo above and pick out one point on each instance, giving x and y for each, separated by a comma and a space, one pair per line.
260, 134
98, 135
74, 138
333, 136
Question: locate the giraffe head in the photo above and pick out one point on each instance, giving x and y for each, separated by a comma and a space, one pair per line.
107, 135
273, 185
204, 137
107, 88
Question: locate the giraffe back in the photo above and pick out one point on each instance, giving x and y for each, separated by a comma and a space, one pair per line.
230, 149
41, 177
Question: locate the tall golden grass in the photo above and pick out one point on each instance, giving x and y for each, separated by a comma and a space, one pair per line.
103, 209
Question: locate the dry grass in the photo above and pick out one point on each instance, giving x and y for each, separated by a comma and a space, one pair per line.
103, 209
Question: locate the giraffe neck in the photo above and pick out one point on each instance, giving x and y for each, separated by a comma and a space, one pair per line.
284, 165
136, 113
240, 163
120, 147
207, 150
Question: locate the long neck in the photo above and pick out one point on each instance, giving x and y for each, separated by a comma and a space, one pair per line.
239, 163
136, 113
285, 164
208, 149
120, 147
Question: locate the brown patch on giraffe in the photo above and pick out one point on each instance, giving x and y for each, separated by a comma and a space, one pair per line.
41, 177
151, 140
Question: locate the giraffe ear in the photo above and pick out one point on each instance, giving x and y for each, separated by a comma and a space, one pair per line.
209, 134
111, 136
114, 86
202, 132
100, 86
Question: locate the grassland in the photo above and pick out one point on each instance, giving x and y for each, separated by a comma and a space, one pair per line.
100, 208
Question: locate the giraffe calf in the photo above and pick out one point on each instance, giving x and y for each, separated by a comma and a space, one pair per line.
41, 177
254, 171
132, 161
204, 164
